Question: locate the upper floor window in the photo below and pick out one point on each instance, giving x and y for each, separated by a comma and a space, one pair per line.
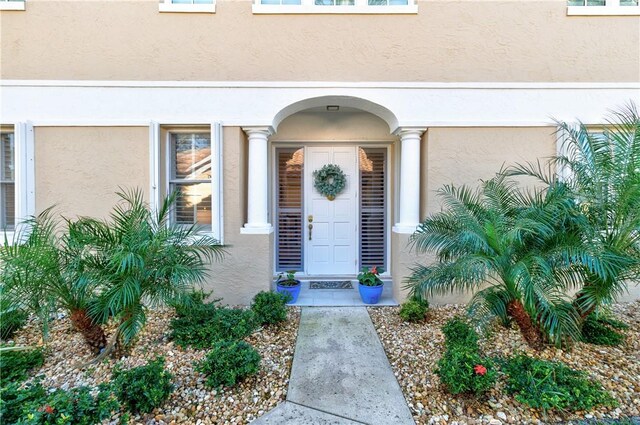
335, 6
603, 7
12, 5
197, 6
7, 182
190, 175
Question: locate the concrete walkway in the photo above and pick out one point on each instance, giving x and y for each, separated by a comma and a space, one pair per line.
340, 374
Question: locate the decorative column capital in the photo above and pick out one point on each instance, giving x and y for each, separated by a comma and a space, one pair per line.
258, 131
410, 132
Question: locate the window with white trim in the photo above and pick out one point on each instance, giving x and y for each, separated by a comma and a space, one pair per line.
188, 159
197, 6
12, 5
335, 6
17, 177
7, 182
190, 175
603, 7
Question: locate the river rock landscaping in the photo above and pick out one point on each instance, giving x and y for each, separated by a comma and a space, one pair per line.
414, 350
191, 401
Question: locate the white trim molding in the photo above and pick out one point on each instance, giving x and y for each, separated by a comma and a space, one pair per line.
25, 201
480, 85
242, 104
603, 11
12, 5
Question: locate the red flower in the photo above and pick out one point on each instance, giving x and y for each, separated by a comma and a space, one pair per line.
479, 369
48, 409
374, 270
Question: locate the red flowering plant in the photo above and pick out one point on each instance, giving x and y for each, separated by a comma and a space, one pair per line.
479, 369
369, 276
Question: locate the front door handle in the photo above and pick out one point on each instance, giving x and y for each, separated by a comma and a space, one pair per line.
310, 230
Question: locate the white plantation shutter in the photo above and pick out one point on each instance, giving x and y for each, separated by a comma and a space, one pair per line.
373, 228
191, 177
289, 209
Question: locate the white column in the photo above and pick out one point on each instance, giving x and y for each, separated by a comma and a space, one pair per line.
258, 181
409, 214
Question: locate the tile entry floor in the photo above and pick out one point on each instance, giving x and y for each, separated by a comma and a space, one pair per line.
340, 297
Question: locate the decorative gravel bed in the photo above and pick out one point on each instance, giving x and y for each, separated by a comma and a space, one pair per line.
191, 401
414, 350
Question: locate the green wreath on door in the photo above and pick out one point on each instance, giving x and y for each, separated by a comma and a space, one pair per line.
329, 181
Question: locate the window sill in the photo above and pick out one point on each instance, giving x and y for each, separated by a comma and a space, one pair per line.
12, 5
603, 10
276, 9
187, 8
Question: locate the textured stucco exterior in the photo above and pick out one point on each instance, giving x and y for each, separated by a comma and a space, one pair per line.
507, 40
463, 156
79, 169
248, 266
95, 78
466, 155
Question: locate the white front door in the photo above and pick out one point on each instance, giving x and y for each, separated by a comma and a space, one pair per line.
331, 244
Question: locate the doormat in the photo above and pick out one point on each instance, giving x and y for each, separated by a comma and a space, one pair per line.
330, 284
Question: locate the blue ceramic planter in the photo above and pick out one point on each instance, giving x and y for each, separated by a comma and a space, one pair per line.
370, 294
294, 291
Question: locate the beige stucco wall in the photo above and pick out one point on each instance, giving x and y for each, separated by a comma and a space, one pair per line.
463, 156
79, 169
450, 40
248, 266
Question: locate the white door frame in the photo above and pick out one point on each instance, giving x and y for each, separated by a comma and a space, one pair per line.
389, 202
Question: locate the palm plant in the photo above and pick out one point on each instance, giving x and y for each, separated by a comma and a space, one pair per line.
42, 271
141, 260
506, 245
602, 171
28, 265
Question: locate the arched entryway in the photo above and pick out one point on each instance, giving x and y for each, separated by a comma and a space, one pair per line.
332, 239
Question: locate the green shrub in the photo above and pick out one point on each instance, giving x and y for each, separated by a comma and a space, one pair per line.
465, 371
458, 333
14, 400
203, 325
16, 365
11, 321
270, 307
610, 321
143, 388
34, 405
229, 362
597, 332
550, 385
414, 310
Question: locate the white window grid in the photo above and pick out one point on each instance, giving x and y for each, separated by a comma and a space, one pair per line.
162, 149
335, 6
12, 5
188, 6
603, 7
199, 167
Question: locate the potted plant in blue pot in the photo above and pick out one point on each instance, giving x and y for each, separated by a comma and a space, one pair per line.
288, 284
370, 286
